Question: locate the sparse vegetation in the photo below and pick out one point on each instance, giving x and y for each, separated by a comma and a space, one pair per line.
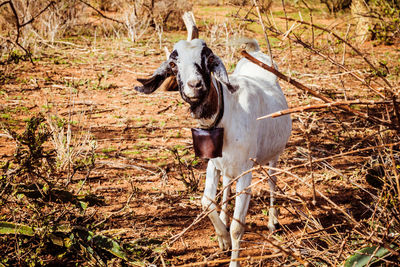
108, 177
185, 170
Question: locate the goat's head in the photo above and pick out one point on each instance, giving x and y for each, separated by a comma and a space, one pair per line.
192, 63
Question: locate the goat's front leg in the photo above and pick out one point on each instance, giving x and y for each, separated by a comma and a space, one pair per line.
225, 200
238, 222
208, 203
273, 223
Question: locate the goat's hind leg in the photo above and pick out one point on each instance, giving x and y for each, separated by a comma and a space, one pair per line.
209, 204
273, 223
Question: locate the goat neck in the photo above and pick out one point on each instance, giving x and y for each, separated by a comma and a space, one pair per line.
210, 112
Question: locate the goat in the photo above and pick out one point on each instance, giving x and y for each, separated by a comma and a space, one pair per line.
247, 94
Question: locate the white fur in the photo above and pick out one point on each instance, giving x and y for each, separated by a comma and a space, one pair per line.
258, 93
185, 64
245, 137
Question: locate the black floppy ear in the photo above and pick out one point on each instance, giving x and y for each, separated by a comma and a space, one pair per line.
217, 67
154, 82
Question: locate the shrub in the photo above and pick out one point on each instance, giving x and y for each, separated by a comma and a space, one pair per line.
386, 20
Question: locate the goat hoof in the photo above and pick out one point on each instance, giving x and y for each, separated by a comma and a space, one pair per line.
224, 244
278, 226
234, 264
274, 227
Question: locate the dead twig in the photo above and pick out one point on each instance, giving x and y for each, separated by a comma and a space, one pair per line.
101, 13
320, 106
316, 94
20, 25
164, 109
86, 112
396, 110
264, 257
344, 41
264, 31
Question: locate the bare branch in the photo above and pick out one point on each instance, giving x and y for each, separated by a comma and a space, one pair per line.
319, 106
19, 25
264, 30
37, 15
100, 13
316, 94
5, 2
16, 20
344, 41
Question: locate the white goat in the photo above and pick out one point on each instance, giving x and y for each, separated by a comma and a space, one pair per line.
248, 93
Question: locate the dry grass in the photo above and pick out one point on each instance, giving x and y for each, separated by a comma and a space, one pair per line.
338, 179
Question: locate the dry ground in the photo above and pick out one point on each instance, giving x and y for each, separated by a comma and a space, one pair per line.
91, 82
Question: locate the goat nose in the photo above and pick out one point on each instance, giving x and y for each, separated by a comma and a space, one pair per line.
194, 84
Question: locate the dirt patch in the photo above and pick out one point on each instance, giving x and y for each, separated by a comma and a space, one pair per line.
136, 173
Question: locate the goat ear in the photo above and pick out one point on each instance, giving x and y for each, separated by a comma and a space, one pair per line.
154, 82
218, 68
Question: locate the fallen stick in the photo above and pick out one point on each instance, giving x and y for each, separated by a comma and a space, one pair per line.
221, 261
319, 106
87, 112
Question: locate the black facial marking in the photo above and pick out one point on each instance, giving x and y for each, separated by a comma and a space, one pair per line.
174, 55
209, 106
204, 70
180, 83
205, 52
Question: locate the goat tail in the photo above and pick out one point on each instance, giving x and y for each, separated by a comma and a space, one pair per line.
251, 45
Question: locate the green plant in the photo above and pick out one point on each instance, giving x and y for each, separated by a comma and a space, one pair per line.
33, 160
386, 20
15, 57
43, 221
185, 171
366, 256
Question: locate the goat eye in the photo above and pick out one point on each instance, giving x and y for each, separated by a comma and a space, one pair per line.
211, 59
172, 65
